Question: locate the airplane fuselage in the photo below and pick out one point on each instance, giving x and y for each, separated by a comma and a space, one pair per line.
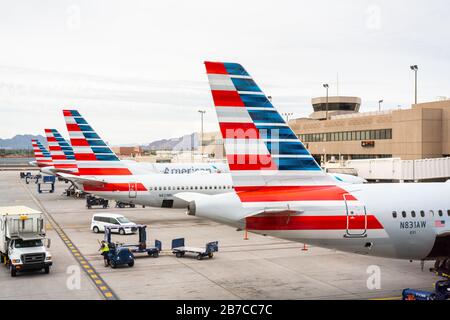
158, 190
404, 220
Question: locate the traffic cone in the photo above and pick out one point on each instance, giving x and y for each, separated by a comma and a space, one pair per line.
245, 234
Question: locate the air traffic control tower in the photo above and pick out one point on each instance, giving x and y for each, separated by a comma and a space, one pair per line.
337, 105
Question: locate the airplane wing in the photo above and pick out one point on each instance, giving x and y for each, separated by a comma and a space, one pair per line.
274, 212
92, 181
286, 210
190, 196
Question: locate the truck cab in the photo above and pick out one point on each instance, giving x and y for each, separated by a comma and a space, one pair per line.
29, 254
23, 243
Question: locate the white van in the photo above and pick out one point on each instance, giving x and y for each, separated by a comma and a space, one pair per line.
124, 226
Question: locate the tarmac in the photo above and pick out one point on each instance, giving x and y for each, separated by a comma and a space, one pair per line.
258, 268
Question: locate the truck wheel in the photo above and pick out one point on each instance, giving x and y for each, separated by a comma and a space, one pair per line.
113, 264
199, 257
178, 255
13, 272
131, 263
47, 270
96, 230
156, 254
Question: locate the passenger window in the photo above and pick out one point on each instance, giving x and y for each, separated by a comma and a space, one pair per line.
440, 213
413, 214
182, 188
201, 187
448, 213
113, 221
164, 188
431, 213
394, 214
404, 214
195, 188
422, 213
215, 187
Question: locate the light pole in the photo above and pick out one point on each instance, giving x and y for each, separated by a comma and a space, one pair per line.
415, 68
202, 112
379, 104
326, 87
287, 115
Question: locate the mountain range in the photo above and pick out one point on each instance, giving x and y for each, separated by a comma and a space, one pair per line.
21, 141
186, 142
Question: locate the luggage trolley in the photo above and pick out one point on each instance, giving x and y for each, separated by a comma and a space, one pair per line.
179, 249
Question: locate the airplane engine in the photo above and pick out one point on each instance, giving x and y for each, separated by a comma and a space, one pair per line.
191, 208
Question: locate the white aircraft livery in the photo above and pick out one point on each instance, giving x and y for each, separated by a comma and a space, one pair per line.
281, 191
101, 172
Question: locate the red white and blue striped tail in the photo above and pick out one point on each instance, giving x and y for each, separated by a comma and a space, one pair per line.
92, 155
61, 152
261, 149
42, 156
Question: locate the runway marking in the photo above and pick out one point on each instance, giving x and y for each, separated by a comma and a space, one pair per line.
108, 293
388, 298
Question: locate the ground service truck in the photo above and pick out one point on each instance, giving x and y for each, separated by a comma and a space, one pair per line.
23, 245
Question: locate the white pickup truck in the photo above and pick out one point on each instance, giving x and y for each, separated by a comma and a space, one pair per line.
23, 245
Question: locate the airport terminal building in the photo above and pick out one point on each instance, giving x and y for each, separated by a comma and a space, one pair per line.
337, 130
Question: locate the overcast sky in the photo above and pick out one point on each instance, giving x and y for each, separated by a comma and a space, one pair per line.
135, 69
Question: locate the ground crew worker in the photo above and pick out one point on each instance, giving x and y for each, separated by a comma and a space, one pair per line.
104, 250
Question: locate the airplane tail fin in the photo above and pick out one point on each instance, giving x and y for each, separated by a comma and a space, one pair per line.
61, 152
42, 156
92, 155
260, 147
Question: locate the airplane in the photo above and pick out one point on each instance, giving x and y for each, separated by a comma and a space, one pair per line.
43, 160
281, 191
102, 173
